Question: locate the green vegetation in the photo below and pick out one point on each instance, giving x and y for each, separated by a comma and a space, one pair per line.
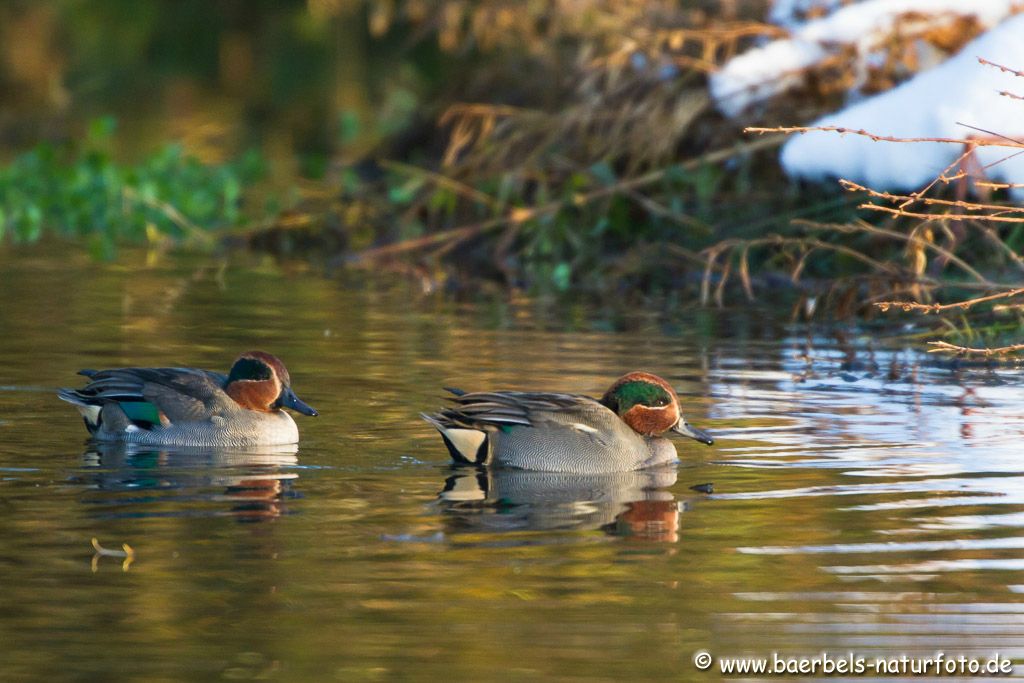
79, 190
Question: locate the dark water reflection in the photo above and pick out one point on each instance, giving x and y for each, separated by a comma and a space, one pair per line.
250, 486
866, 497
635, 504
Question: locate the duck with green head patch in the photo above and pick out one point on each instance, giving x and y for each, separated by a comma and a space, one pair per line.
552, 432
192, 407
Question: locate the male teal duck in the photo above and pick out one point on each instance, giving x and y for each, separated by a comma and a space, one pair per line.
567, 432
192, 407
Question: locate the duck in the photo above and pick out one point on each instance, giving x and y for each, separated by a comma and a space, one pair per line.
190, 407
552, 432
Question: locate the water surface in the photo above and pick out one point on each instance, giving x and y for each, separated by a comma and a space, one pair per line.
866, 497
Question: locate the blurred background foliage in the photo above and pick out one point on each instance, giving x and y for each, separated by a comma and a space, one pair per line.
553, 146
377, 120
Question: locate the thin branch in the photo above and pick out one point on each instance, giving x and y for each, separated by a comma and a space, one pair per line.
990, 133
997, 186
937, 216
936, 308
942, 177
880, 138
1004, 69
941, 346
957, 203
997, 212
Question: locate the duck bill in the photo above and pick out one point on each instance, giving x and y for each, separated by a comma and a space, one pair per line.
696, 434
288, 399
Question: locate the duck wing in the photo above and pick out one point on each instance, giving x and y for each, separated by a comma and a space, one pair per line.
180, 394
529, 421
496, 409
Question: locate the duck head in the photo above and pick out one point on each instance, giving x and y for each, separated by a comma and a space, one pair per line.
260, 381
649, 405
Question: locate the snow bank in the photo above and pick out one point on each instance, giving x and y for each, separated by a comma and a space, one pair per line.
929, 105
764, 72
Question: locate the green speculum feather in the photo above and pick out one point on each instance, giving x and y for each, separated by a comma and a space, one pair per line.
642, 393
141, 411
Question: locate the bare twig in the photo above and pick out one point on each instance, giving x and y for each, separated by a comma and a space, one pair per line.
941, 346
997, 186
1002, 68
937, 308
880, 138
942, 177
935, 216
958, 203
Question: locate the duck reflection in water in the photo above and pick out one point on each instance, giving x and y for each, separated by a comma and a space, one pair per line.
252, 485
633, 504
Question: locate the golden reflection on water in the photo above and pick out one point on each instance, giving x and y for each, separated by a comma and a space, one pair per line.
865, 497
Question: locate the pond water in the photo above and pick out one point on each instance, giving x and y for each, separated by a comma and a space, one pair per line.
867, 498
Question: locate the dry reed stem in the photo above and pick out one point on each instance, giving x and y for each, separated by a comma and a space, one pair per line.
806, 244
443, 181
519, 215
656, 208
917, 241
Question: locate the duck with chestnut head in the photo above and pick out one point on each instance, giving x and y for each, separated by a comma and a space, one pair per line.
624, 430
192, 407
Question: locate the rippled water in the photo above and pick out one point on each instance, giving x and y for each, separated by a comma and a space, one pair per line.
866, 497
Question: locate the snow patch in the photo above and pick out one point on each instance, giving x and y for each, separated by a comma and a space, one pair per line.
929, 105
763, 72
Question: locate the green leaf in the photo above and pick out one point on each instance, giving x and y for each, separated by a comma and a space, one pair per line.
100, 130
349, 127
31, 223
561, 276
406, 192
